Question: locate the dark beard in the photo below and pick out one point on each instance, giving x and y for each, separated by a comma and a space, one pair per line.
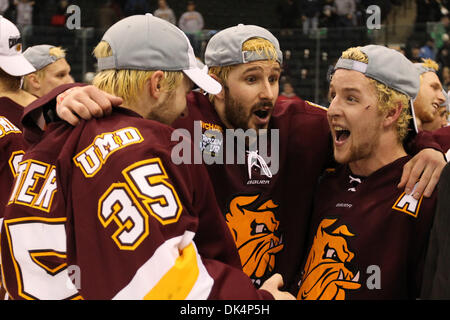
236, 114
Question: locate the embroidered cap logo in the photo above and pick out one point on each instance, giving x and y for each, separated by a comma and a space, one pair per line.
14, 41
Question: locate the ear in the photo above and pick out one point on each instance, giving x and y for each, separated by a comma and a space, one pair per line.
221, 94
393, 114
154, 84
33, 81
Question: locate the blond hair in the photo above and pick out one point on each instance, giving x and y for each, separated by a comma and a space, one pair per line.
388, 98
58, 53
259, 45
431, 64
127, 83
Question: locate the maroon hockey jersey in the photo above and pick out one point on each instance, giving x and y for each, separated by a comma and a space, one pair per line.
99, 211
368, 238
11, 146
11, 110
267, 208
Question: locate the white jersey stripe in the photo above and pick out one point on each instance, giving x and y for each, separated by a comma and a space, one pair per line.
152, 272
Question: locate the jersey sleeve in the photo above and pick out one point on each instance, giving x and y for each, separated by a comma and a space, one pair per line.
424, 140
442, 136
11, 146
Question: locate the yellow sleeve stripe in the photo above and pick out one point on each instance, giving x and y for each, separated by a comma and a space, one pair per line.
312, 104
174, 271
179, 280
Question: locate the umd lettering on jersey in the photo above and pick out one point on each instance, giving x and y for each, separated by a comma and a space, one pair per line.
92, 158
35, 185
7, 127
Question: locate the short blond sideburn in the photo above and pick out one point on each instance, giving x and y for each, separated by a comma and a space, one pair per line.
387, 98
259, 45
128, 84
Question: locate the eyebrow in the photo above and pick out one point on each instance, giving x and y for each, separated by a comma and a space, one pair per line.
437, 84
258, 68
352, 90
346, 89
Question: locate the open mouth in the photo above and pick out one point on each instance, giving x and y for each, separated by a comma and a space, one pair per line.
341, 133
262, 113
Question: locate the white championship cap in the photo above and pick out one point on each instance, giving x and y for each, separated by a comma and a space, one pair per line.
12, 60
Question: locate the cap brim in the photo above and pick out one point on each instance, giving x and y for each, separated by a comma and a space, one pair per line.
16, 65
203, 80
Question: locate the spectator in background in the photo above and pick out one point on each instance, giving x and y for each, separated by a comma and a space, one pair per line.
191, 22
288, 66
24, 17
59, 18
415, 53
288, 14
133, 7
52, 69
109, 13
4, 5
428, 11
165, 12
428, 51
345, 11
443, 56
310, 12
328, 15
446, 78
288, 93
439, 30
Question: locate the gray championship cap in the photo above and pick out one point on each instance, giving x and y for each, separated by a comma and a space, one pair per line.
391, 68
39, 56
225, 47
145, 42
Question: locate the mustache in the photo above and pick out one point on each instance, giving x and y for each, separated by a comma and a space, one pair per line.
263, 104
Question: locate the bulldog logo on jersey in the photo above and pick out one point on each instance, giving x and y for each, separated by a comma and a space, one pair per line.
326, 275
254, 228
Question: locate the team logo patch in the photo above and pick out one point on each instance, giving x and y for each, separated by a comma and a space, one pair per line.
212, 139
326, 275
14, 40
255, 231
407, 204
211, 144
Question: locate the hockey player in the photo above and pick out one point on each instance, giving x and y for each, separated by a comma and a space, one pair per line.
368, 238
